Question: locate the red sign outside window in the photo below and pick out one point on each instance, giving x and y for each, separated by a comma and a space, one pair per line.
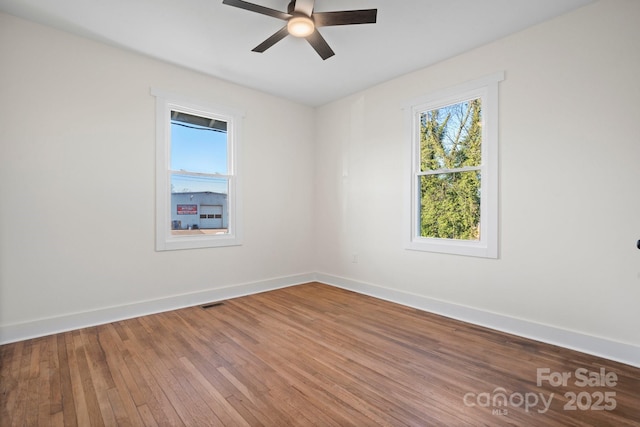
187, 209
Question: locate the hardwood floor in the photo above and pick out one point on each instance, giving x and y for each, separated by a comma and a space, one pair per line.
307, 355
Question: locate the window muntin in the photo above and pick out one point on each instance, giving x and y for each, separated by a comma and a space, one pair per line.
196, 168
453, 202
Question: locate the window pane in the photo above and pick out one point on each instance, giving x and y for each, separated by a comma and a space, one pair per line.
199, 205
198, 144
451, 136
450, 205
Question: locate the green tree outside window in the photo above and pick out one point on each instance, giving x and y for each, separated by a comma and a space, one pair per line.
449, 178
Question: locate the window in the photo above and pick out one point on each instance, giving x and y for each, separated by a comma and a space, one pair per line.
197, 181
454, 170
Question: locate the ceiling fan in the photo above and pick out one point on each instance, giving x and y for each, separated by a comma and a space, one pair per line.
302, 21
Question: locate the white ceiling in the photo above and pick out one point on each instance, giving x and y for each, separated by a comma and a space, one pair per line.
217, 39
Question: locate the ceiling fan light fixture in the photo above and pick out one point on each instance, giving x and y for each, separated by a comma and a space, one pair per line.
300, 26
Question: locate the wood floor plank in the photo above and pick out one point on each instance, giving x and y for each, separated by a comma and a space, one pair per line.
77, 385
21, 397
43, 401
114, 363
147, 416
308, 355
157, 403
120, 413
97, 376
121, 397
69, 413
55, 384
8, 380
227, 414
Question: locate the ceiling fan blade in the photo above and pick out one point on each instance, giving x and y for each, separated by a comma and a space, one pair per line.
257, 8
347, 17
304, 6
279, 35
320, 45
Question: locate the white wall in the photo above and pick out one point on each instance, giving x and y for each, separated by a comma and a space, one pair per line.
570, 174
77, 182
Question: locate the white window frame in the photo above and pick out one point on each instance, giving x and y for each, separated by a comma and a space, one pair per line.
486, 89
165, 240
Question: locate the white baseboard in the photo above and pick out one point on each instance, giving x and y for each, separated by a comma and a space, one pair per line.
68, 322
601, 347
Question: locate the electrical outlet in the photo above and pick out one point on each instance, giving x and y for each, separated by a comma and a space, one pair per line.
355, 259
